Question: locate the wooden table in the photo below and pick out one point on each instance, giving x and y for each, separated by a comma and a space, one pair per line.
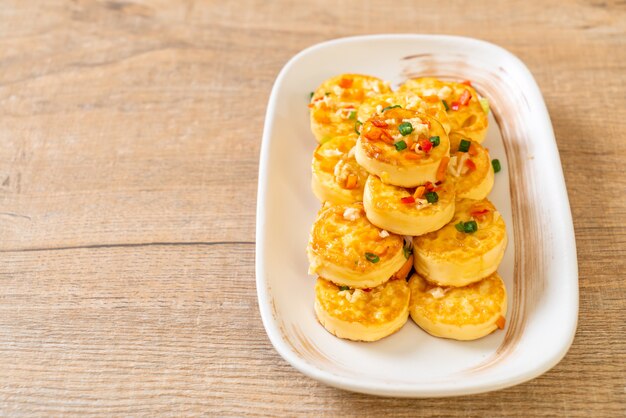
129, 144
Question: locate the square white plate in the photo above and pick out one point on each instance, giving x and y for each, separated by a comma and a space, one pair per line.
539, 267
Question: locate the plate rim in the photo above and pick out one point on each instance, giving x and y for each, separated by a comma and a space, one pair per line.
402, 389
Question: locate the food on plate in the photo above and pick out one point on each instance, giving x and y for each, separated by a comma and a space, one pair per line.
403, 148
467, 249
337, 178
404, 182
413, 211
335, 102
471, 168
362, 314
380, 103
460, 313
347, 249
467, 115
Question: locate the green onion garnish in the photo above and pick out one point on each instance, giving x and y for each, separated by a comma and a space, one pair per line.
389, 107
372, 258
311, 95
327, 94
445, 104
352, 115
434, 140
400, 145
356, 125
464, 145
343, 288
407, 251
496, 165
405, 128
467, 227
470, 226
432, 197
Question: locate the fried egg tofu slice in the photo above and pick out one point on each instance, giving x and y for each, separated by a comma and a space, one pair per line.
472, 171
460, 313
396, 147
335, 102
407, 211
345, 248
337, 177
380, 103
362, 315
466, 114
449, 257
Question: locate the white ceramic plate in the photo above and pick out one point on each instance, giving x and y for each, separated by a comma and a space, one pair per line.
539, 267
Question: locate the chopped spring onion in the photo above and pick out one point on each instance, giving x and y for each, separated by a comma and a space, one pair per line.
389, 107
407, 251
434, 140
467, 227
356, 126
496, 165
311, 95
400, 145
405, 128
352, 115
327, 94
470, 226
343, 288
372, 258
464, 145
445, 104
432, 197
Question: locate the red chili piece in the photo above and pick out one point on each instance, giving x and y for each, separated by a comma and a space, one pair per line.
465, 97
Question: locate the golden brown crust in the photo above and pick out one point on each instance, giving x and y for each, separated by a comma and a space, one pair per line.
385, 207
467, 121
453, 258
346, 242
346, 248
401, 157
388, 198
472, 172
335, 102
362, 315
337, 177
367, 306
449, 243
463, 313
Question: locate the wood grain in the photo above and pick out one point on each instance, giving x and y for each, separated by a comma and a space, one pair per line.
129, 142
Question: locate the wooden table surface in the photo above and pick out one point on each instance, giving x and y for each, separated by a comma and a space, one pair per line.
129, 144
